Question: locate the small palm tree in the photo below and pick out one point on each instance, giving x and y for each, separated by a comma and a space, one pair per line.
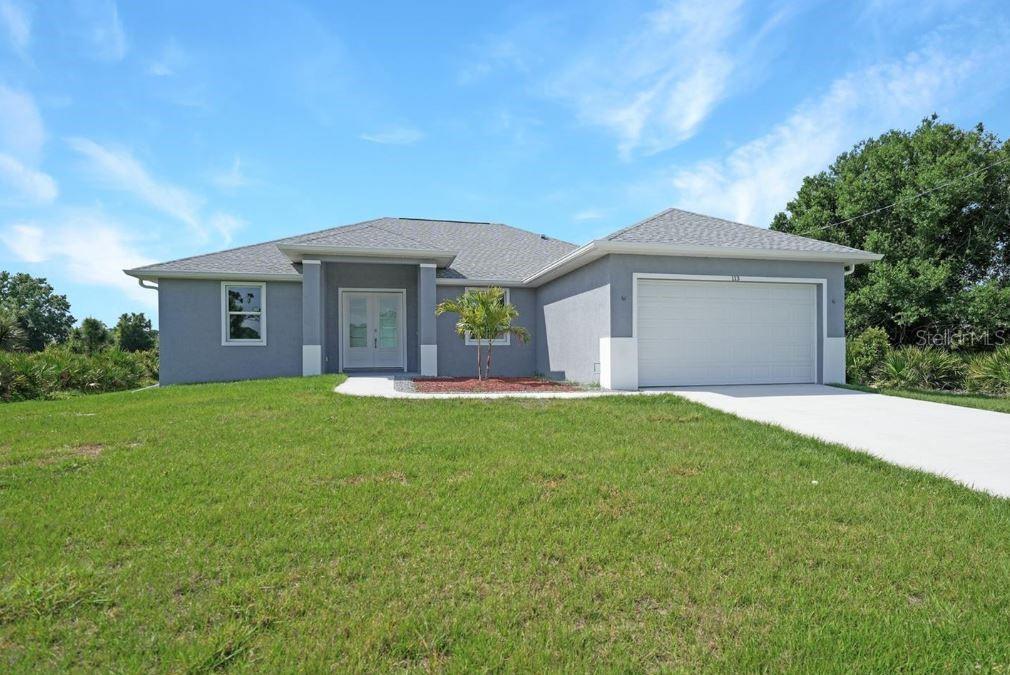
469, 323
12, 335
496, 320
484, 315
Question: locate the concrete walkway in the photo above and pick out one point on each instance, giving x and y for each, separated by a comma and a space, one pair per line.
967, 445
383, 385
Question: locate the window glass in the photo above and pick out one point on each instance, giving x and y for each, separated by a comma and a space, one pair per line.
357, 330
244, 327
389, 308
243, 298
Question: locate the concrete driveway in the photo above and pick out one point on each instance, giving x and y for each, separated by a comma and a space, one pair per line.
964, 444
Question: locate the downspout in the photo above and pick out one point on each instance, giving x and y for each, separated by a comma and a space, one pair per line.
849, 269
153, 287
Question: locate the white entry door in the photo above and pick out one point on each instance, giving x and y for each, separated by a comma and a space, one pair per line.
372, 329
713, 332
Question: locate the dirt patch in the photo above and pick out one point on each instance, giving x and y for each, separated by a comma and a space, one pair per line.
472, 384
90, 450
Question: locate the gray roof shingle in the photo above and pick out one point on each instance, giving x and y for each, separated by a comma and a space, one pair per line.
491, 251
675, 226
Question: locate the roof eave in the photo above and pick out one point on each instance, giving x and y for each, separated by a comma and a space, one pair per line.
601, 247
298, 252
154, 275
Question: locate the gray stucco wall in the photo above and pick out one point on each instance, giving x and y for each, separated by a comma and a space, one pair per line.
573, 313
456, 359
622, 267
189, 318
358, 275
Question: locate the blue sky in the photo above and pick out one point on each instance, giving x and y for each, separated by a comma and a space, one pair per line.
132, 132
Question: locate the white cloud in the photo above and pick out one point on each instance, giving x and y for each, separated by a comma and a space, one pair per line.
102, 29
658, 83
121, 170
31, 184
225, 225
22, 136
22, 132
232, 178
17, 23
394, 136
588, 214
170, 61
758, 178
118, 169
26, 242
91, 248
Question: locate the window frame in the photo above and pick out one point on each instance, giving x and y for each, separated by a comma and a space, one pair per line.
501, 342
226, 313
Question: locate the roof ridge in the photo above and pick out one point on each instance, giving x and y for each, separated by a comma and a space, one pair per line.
643, 221
350, 227
447, 220
535, 234
405, 236
788, 235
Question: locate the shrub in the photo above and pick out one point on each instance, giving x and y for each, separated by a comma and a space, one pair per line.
47, 374
990, 373
865, 354
918, 368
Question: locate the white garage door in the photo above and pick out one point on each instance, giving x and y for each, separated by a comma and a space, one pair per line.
722, 332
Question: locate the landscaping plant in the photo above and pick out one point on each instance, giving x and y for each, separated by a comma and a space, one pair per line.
484, 315
12, 336
865, 354
918, 368
59, 371
990, 373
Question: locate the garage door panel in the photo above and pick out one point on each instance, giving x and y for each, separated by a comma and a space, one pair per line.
709, 332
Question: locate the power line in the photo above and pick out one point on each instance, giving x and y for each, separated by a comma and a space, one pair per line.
915, 196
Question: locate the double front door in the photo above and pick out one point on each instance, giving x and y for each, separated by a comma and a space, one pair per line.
372, 329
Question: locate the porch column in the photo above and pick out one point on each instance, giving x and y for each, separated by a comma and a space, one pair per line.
426, 319
312, 317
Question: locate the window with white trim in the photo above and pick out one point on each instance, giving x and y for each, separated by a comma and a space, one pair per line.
244, 313
500, 342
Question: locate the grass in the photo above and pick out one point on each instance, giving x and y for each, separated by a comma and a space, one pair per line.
276, 526
995, 403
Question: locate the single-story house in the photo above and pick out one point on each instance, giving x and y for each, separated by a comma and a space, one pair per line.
677, 299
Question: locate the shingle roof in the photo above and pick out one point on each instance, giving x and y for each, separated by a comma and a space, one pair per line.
490, 251
675, 226
256, 259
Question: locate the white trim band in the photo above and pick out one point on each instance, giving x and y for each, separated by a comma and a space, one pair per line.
619, 363
312, 360
429, 360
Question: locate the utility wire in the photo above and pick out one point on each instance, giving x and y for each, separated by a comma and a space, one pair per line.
915, 196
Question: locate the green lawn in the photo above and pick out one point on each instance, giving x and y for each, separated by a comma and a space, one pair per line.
995, 403
278, 526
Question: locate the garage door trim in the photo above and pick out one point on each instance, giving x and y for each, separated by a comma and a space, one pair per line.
822, 310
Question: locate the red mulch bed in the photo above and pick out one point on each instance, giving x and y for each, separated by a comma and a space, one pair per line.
465, 384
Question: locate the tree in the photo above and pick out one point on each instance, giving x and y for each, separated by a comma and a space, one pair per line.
496, 317
44, 316
466, 307
92, 336
12, 335
946, 253
484, 316
134, 333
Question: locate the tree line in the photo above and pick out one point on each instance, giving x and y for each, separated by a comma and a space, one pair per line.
33, 317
